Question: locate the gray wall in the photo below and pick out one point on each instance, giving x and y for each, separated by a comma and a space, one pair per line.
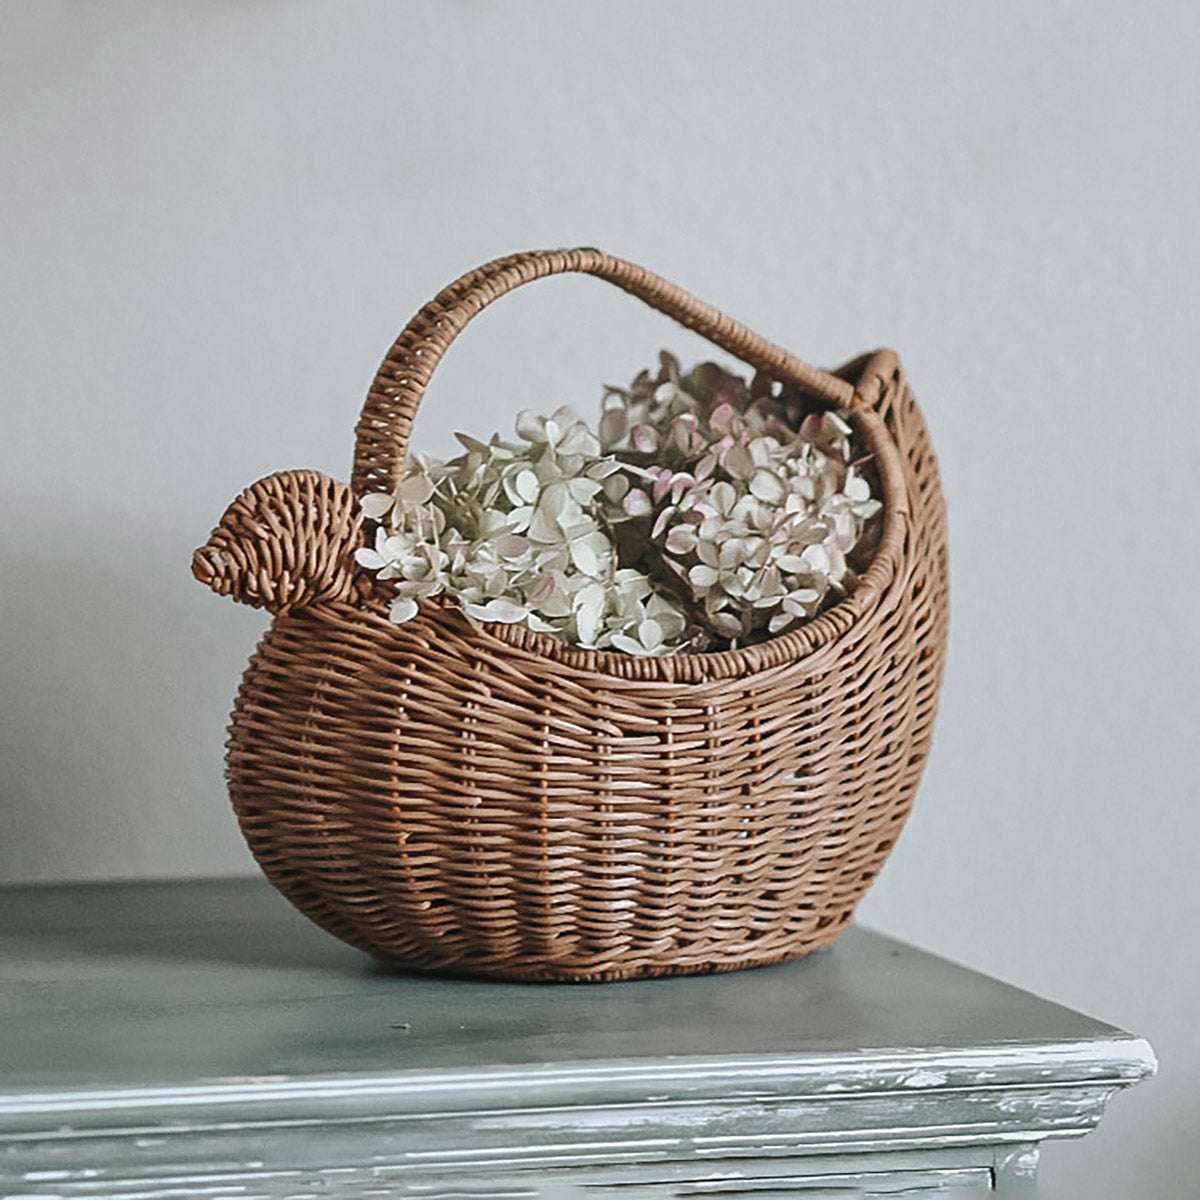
216, 216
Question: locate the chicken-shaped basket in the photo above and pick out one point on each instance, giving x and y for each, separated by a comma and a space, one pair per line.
494, 801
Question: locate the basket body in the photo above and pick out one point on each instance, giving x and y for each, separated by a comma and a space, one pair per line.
446, 800
495, 802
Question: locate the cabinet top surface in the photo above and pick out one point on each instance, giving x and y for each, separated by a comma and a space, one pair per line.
150, 984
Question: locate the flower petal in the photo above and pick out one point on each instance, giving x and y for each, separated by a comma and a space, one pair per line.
377, 504
416, 489
403, 609
636, 503
765, 485
531, 427
650, 633
498, 609
527, 486
368, 558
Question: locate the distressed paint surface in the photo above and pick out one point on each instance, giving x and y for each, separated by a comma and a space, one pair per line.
202, 1038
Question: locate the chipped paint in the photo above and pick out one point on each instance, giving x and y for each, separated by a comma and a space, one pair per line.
924, 1079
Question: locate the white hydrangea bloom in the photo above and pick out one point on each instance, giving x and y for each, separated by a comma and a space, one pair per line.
515, 533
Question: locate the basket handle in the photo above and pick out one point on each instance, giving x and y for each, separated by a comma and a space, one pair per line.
383, 430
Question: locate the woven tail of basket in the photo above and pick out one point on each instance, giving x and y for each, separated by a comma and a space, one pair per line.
493, 801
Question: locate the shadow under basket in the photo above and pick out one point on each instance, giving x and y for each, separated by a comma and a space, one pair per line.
498, 802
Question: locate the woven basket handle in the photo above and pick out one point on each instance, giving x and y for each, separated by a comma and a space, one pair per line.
391, 406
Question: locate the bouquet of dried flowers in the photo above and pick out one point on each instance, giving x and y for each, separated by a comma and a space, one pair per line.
704, 513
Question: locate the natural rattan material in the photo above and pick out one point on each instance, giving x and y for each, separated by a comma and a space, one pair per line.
499, 802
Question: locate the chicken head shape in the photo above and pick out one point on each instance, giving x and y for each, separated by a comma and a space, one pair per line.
287, 542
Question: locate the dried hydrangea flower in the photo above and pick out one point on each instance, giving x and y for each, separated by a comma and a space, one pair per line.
514, 532
704, 514
757, 517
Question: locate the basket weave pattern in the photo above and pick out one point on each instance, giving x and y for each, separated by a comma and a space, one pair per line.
499, 802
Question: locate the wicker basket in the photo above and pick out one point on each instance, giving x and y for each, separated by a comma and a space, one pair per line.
498, 802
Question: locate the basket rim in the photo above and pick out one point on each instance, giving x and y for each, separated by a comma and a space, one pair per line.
700, 666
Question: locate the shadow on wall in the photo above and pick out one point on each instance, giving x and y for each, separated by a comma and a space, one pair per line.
119, 671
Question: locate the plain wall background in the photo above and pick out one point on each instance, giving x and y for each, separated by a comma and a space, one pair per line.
216, 217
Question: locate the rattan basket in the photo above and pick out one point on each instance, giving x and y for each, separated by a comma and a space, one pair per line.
498, 802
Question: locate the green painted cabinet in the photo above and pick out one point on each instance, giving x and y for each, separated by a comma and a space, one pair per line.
202, 1039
